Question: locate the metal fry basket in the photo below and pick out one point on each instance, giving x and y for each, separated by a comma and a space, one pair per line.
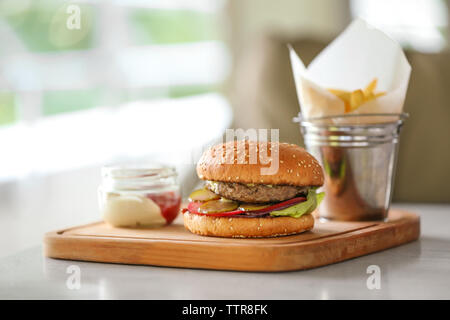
358, 154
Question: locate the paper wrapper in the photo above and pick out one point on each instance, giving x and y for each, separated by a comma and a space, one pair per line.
360, 54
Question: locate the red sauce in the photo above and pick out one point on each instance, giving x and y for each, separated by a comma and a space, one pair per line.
169, 203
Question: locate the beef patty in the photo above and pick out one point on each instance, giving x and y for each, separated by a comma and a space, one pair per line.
255, 193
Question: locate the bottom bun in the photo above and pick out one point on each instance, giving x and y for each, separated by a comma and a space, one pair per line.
230, 227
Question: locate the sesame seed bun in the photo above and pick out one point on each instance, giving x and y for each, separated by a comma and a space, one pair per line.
296, 167
233, 227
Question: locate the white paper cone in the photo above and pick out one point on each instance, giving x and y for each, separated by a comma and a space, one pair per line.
357, 56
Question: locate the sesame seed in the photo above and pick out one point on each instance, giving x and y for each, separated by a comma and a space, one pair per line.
293, 156
281, 161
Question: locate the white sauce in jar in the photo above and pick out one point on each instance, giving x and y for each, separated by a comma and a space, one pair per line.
128, 210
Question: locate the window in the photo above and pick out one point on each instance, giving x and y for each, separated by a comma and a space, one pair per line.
124, 50
134, 71
417, 24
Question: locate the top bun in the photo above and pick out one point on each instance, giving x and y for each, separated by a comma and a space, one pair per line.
296, 167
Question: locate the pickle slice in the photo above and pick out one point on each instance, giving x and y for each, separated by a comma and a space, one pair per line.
203, 195
252, 206
215, 206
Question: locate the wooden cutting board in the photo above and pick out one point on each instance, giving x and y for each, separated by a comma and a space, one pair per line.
173, 246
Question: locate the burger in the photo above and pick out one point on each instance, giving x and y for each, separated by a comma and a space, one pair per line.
240, 200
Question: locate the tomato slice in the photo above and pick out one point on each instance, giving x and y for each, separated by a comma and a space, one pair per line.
193, 207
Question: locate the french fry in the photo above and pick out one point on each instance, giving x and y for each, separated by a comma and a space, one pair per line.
345, 96
368, 91
379, 94
374, 96
354, 99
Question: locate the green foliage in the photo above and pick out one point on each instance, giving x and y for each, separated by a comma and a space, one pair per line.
184, 91
55, 102
42, 26
172, 26
7, 108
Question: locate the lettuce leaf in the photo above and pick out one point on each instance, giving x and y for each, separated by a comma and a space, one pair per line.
313, 199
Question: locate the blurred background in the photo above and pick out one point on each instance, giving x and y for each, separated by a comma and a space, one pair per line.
86, 83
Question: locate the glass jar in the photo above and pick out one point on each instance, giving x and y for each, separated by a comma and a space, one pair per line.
139, 196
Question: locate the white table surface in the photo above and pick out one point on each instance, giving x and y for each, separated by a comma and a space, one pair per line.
413, 271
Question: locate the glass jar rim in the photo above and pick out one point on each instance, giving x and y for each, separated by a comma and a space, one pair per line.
148, 171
